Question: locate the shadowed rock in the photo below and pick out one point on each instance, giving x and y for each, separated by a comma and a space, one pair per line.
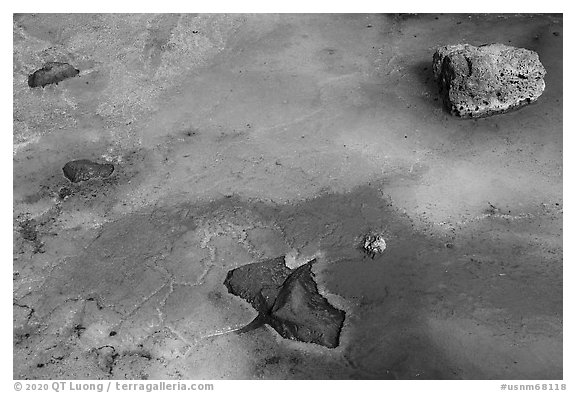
52, 72
81, 170
487, 80
288, 301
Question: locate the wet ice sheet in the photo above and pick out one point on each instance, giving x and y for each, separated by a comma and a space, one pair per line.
306, 132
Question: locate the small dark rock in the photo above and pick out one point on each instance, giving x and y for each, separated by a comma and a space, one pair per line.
81, 170
64, 193
52, 72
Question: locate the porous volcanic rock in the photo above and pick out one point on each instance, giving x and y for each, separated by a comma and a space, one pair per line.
81, 170
287, 300
52, 72
488, 79
374, 244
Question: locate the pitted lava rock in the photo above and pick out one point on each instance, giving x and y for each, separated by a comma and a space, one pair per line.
52, 72
81, 170
488, 79
288, 301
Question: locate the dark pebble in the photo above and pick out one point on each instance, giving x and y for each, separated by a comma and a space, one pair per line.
52, 72
81, 170
65, 192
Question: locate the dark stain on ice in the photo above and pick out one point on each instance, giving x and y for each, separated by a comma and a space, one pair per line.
288, 301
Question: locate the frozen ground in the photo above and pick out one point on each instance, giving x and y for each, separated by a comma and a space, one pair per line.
238, 138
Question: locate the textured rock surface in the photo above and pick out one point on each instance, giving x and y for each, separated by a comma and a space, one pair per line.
52, 72
81, 170
374, 244
487, 80
288, 300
